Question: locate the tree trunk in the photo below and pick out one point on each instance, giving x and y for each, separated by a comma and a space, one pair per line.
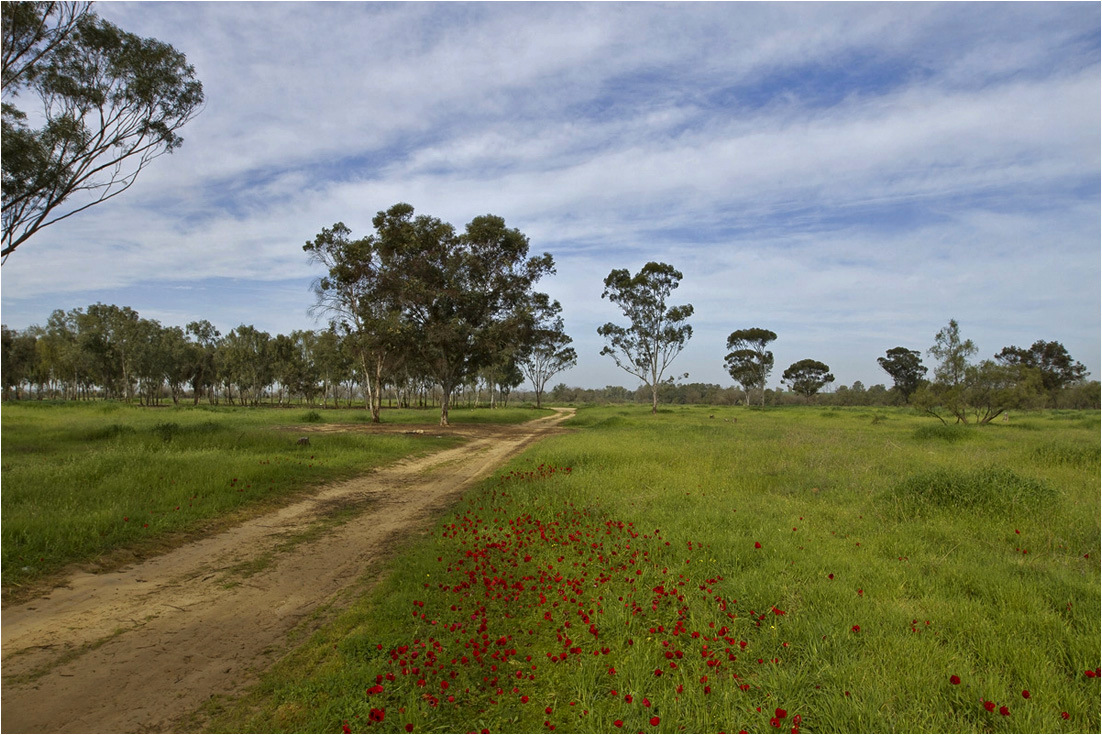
445, 404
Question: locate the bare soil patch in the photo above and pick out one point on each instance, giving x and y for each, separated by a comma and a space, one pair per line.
140, 649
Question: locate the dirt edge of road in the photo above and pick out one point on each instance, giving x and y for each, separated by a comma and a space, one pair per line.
143, 647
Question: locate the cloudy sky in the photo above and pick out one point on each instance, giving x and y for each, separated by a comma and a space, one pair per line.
850, 176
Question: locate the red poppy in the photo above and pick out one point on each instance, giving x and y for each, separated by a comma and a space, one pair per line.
376, 715
524, 698
857, 629
1065, 715
757, 544
345, 727
989, 706
780, 714
954, 679
1004, 710
1089, 674
618, 723
654, 721
1025, 694
409, 727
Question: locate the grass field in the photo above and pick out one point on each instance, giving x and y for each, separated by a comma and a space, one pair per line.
84, 480
718, 570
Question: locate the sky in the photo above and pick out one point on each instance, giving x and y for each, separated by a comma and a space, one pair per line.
850, 176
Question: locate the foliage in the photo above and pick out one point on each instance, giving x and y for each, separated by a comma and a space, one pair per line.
807, 377
952, 355
463, 299
749, 362
111, 102
1056, 366
975, 393
550, 352
906, 368
657, 334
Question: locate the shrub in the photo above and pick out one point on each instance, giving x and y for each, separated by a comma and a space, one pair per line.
312, 417
166, 430
993, 489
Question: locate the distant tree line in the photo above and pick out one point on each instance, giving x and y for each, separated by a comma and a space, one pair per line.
419, 313
106, 351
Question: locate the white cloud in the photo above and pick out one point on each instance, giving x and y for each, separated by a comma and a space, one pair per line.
845, 171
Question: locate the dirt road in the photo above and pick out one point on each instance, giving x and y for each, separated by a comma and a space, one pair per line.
140, 649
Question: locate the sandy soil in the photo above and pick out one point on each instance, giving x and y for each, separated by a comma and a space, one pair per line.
142, 648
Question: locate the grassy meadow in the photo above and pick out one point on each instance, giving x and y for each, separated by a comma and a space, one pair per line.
83, 480
728, 569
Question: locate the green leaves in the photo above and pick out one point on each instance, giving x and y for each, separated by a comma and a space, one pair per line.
111, 102
656, 334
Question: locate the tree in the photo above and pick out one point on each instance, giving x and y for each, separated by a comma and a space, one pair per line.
359, 292
203, 371
463, 299
1057, 368
974, 393
807, 377
750, 362
656, 335
952, 355
111, 102
550, 352
906, 368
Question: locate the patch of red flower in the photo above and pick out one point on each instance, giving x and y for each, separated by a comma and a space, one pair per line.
954, 679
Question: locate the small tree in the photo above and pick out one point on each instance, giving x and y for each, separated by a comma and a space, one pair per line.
807, 377
550, 352
750, 362
657, 334
906, 368
952, 355
974, 393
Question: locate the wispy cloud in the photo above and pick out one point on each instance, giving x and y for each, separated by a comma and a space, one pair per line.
850, 175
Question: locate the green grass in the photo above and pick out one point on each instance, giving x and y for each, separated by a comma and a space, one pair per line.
651, 537
84, 480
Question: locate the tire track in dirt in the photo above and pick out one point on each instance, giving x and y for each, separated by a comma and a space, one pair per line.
142, 648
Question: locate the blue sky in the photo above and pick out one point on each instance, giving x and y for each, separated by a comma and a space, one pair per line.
850, 176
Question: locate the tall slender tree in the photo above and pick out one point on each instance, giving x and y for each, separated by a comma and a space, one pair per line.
657, 334
749, 361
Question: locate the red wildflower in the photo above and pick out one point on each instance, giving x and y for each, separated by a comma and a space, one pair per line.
857, 629
797, 719
409, 727
376, 715
345, 727
1004, 710
628, 698
774, 722
646, 702
1065, 715
780, 714
989, 706
618, 723
954, 679
757, 544
654, 721
1089, 674
524, 698
1025, 694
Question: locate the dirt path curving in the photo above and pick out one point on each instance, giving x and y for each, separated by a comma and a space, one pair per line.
142, 648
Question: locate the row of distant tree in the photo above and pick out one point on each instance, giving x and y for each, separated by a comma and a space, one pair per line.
106, 351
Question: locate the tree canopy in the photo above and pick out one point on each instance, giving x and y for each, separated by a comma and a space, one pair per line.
109, 103
807, 377
657, 334
906, 368
749, 362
